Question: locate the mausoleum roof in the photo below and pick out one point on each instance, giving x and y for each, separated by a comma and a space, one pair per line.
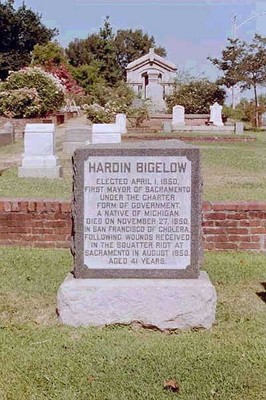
151, 57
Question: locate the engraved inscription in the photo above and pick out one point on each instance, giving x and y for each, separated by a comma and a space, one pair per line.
137, 212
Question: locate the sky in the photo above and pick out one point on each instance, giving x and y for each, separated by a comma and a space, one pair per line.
189, 30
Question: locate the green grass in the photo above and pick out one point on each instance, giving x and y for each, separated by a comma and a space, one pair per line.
231, 171
43, 360
13, 187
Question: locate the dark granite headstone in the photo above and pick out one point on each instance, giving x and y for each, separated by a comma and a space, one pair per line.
137, 210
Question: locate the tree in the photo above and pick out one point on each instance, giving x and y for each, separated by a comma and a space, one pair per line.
131, 45
50, 53
113, 51
21, 30
196, 96
245, 64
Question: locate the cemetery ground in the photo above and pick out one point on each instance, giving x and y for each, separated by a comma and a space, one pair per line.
42, 359
231, 171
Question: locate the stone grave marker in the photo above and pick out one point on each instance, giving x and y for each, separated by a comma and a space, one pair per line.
216, 114
106, 133
137, 238
178, 115
239, 128
39, 158
77, 137
121, 120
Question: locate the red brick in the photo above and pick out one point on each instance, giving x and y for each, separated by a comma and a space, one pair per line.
206, 206
42, 231
40, 206
257, 215
249, 222
31, 206
258, 231
23, 206
255, 238
66, 207
8, 206
215, 215
213, 231
224, 206
249, 246
226, 246
239, 238
237, 231
207, 223
15, 206
208, 246
227, 223
216, 238
237, 215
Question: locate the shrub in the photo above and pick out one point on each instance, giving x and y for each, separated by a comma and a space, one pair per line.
196, 96
113, 101
97, 114
48, 87
20, 103
137, 116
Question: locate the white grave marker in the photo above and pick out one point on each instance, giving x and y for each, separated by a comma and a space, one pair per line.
179, 115
39, 159
216, 114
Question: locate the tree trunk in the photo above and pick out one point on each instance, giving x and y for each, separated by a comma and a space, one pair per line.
256, 107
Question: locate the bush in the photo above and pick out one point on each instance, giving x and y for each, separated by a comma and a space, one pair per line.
196, 96
20, 103
137, 116
113, 101
97, 114
49, 88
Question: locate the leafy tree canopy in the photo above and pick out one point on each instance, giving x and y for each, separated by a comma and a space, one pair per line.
244, 63
21, 30
48, 54
113, 51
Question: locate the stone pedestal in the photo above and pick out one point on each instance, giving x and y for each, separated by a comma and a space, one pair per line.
106, 133
77, 137
160, 303
39, 159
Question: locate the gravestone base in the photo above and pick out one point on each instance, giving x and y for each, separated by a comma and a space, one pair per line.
40, 172
164, 304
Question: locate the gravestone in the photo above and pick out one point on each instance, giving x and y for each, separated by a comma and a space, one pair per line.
178, 115
121, 120
106, 133
167, 127
39, 158
239, 128
137, 238
263, 119
216, 114
77, 137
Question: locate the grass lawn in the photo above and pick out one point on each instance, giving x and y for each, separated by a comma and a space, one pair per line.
43, 360
231, 171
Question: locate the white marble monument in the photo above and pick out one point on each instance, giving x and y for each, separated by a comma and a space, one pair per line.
152, 77
178, 115
216, 114
121, 120
39, 158
106, 133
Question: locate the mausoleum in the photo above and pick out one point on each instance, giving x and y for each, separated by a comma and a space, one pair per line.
152, 77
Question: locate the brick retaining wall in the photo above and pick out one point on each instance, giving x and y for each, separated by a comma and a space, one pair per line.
47, 223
